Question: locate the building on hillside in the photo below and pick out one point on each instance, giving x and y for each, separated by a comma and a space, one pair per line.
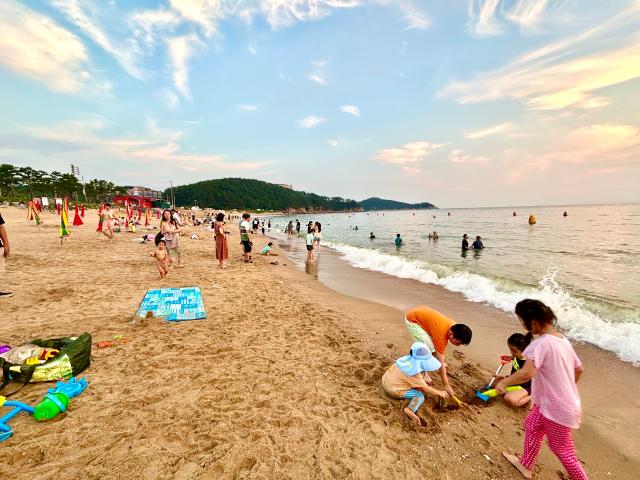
285, 185
141, 197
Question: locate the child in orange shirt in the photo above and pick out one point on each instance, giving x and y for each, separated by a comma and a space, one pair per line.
406, 379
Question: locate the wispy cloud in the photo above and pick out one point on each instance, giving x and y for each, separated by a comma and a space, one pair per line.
314, 77
156, 146
594, 145
409, 156
284, 13
181, 49
318, 74
35, 46
350, 109
491, 17
84, 16
311, 121
565, 73
251, 48
204, 13
458, 156
485, 132
247, 107
333, 143
415, 18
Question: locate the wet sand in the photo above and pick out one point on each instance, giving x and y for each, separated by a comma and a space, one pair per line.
281, 380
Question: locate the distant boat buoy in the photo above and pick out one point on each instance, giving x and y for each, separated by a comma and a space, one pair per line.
514, 214
565, 214
532, 219
448, 214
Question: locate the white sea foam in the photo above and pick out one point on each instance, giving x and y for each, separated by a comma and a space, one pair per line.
574, 318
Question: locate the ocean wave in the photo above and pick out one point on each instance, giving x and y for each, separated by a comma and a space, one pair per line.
574, 317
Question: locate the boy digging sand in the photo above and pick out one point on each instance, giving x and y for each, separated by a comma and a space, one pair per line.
162, 257
406, 379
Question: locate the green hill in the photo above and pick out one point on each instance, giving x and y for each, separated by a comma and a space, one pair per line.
247, 194
375, 203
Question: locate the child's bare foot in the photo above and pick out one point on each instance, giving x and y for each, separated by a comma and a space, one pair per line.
515, 461
412, 416
427, 379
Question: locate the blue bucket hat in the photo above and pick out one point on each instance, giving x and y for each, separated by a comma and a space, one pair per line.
419, 360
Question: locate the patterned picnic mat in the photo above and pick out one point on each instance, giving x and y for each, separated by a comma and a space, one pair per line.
173, 304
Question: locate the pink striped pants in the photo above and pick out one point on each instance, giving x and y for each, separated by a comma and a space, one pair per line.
560, 440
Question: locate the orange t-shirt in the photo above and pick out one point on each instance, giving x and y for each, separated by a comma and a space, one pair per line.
434, 323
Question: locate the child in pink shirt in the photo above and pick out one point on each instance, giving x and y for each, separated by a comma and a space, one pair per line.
554, 368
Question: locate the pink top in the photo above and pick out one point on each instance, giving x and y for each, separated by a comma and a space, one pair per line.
554, 388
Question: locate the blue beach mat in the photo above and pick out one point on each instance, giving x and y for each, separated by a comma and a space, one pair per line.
173, 304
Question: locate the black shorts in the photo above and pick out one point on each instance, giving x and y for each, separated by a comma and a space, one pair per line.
309, 247
246, 245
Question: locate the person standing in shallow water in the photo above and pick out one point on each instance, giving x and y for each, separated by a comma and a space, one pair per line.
465, 243
220, 236
478, 245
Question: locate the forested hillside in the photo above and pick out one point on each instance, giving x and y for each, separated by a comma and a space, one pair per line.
243, 193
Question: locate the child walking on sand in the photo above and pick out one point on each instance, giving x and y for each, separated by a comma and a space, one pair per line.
162, 257
554, 368
407, 378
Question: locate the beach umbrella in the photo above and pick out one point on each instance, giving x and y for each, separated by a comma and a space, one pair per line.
77, 221
58, 207
139, 214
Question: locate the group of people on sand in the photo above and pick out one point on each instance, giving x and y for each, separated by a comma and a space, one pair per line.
313, 237
544, 366
168, 253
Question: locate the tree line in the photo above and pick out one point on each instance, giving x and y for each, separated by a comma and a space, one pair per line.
19, 184
242, 193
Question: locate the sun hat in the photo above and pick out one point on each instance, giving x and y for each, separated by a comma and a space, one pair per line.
419, 360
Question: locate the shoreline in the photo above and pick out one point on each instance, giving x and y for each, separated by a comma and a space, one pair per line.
281, 380
602, 418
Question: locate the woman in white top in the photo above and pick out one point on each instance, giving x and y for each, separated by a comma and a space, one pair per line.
317, 235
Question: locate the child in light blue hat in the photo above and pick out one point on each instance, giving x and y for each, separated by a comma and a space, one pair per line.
407, 378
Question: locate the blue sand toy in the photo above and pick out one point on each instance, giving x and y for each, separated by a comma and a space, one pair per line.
71, 388
5, 430
57, 399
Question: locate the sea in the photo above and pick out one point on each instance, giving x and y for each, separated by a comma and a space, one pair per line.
585, 265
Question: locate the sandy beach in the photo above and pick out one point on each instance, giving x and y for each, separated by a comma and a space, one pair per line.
281, 380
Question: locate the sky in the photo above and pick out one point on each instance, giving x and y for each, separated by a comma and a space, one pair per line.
458, 103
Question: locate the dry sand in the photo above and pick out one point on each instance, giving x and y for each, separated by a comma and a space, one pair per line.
281, 380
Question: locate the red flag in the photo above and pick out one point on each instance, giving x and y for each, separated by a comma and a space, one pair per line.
82, 210
77, 221
58, 207
146, 217
139, 214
